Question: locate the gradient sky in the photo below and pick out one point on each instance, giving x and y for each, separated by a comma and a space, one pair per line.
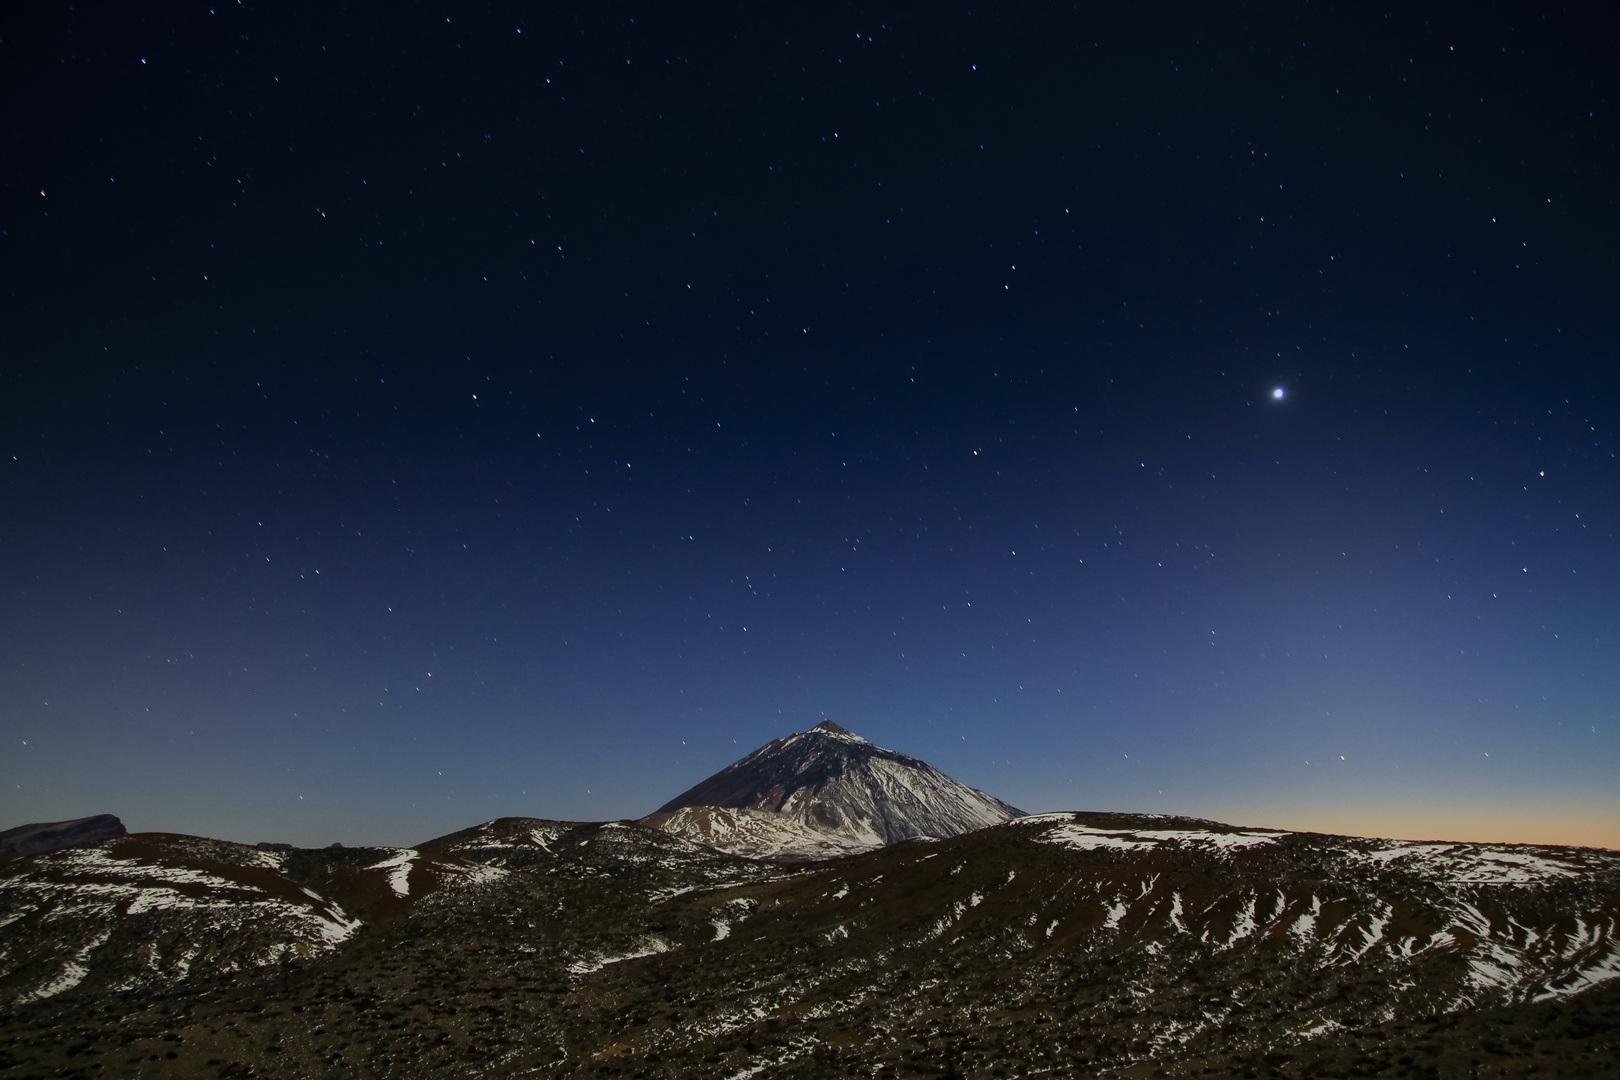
412, 416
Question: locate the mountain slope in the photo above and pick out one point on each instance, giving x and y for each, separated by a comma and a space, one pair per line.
830, 779
1063, 944
757, 834
152, 910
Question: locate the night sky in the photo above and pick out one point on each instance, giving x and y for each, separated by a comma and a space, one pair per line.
414, 414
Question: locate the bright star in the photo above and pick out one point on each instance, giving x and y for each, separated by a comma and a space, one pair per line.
1277, 393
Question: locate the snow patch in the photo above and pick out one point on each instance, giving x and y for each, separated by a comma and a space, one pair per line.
399, 870
1305, 924
648, 946
1079, 837
1471, 864
73, 972
1176, 919
1246, 924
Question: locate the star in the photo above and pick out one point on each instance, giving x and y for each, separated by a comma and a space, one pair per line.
1277, 393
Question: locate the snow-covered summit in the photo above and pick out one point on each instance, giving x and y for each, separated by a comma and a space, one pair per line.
829, 778
830, 727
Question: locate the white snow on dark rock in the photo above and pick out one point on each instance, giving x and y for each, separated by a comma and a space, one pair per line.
834, 781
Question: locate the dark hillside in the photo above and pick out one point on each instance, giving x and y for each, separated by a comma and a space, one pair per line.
1064, 945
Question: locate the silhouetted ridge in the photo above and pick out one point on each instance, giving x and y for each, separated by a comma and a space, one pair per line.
41, 837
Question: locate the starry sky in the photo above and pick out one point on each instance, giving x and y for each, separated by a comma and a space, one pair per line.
413, 414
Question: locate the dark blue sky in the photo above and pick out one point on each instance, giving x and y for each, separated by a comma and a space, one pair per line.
416, 416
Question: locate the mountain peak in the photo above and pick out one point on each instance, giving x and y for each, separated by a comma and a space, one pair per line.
830, 780
828, 727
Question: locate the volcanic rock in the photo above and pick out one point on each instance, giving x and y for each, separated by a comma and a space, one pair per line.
1060, 945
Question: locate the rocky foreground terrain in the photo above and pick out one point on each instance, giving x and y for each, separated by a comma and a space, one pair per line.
1056, 945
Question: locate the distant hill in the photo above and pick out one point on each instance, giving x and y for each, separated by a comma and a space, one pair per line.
41, 837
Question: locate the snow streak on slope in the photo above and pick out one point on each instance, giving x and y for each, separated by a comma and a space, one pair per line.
154, 910
398, 867
182, 891
1383, 905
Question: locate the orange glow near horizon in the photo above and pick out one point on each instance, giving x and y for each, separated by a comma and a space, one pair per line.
1576, 825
